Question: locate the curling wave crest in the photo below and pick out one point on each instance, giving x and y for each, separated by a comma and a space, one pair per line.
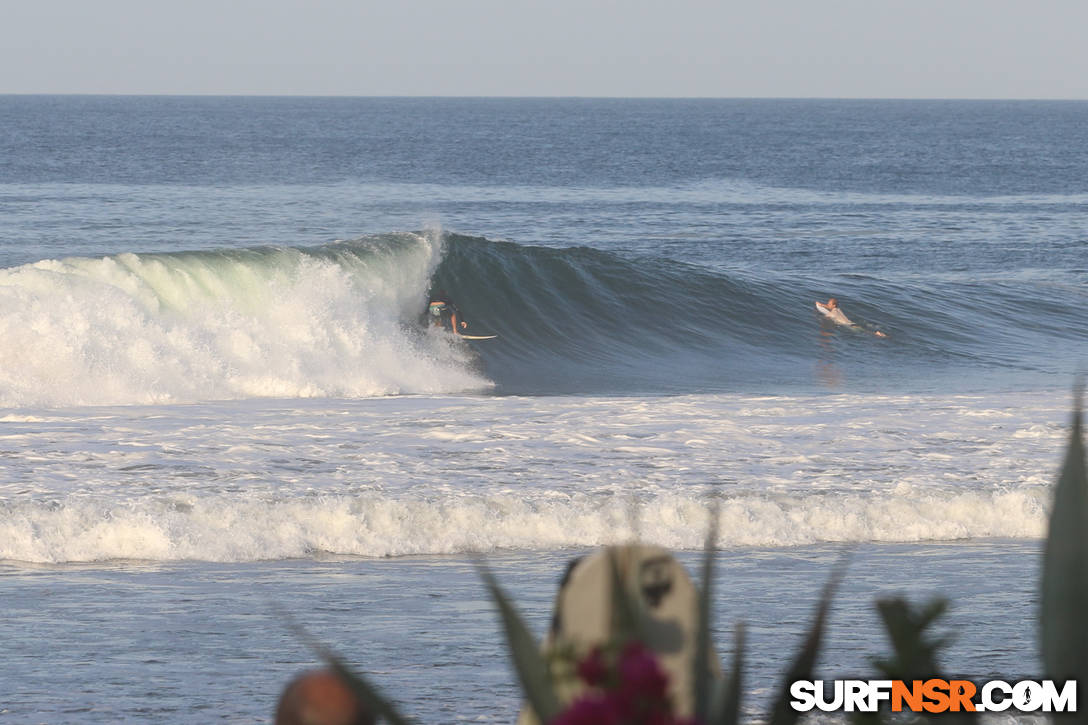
337, 320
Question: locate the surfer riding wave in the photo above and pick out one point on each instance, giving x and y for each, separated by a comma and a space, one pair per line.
444, 313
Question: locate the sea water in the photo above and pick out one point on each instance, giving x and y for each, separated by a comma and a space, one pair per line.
223, 414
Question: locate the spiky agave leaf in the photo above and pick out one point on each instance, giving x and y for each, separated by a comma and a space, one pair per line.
367, 693
915, 654
805, 661
1064, 635
725, 706
628, 615
702, 676
371, 698
529, 663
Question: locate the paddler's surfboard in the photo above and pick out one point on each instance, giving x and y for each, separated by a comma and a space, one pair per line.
477, 337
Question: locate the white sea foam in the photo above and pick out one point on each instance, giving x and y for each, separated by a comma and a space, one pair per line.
138, 329
257, 480
230, 528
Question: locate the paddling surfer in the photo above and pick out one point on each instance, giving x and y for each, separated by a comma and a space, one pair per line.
836, 313
832, 310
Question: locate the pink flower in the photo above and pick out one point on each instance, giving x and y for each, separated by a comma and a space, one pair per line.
593, 669
632, 691
640, 675
593, 709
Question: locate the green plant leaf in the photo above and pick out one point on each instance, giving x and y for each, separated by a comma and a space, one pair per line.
805, 661
371, 698
628, 618
702, 675
369, 694
725, 709
915, 655
1064, 605
529, 663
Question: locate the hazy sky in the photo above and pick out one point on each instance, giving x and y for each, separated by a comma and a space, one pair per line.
758, 48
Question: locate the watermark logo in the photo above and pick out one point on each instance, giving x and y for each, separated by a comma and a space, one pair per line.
933, 695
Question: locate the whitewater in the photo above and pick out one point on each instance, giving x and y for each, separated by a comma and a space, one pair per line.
227, 324
440, 475
280, 403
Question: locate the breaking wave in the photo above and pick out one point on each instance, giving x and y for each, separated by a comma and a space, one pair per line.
344, 320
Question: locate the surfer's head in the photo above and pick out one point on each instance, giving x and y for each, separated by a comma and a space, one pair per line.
832, 303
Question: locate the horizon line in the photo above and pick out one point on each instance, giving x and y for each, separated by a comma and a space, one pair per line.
89, 94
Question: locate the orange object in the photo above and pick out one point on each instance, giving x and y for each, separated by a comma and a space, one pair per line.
320, 697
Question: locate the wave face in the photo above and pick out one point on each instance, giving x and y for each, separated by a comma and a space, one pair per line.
344, 320
337, 320
583, 320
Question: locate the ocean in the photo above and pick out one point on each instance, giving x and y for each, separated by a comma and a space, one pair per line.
222, 412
